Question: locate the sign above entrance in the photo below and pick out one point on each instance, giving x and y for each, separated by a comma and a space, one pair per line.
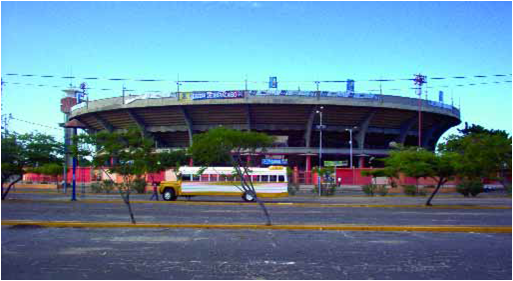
267, 161
335, 163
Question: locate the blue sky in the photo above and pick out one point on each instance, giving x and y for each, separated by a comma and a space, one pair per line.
295, 41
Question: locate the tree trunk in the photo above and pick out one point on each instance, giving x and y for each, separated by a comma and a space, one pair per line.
439, 184
249, 187
4, 194
126, 199
262, 205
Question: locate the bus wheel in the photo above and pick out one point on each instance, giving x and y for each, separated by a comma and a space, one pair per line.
169, 194
248, 197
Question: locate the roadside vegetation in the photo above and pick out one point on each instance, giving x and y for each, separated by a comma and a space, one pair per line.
128, 153
222, 145
472, 156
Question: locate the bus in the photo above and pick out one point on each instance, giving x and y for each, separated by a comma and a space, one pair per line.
269, 182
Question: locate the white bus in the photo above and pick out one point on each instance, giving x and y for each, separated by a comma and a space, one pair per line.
219, 181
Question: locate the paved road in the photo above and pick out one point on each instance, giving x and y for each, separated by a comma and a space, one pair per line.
158, 253
70, 253
238, 212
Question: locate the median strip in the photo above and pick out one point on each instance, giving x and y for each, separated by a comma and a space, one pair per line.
337, 227
282, 204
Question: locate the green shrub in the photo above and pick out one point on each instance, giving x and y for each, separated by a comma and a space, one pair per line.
462, 189
139, 185
327, 189
410, 190
292, 188
382, 190
330, 189
369, 189
470, 187
108, 186
96, 187
476, 187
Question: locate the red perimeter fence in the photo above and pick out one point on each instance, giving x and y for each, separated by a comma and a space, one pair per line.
343, 176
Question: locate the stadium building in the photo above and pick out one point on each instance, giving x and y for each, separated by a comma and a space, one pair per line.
294, 117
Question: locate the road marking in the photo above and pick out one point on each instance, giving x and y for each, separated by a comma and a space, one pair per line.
332, 227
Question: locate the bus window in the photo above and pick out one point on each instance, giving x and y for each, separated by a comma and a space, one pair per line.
281, 178
273, 178
264, 178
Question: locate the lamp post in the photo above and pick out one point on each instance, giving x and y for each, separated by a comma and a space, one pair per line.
351, 145
320, 147
351, 149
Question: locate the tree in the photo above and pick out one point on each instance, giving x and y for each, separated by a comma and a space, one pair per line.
50, 169
388, 172
222, 145
128, 153
441, 166
484, 154
478, 129
23, 152
413, 162
443, 170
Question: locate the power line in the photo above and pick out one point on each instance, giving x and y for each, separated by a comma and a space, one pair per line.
116, 78
36, 124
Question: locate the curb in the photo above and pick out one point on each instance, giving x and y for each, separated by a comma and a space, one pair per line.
282, 204
349, 227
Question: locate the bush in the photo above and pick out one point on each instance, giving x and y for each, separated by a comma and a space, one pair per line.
108, 186
96, 187
330, 189
139, 185
327, 189
410, 190
471, 187
382, 190
292, 188
369, 189
423, 192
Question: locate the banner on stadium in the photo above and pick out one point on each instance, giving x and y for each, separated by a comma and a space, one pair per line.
267, 161
216, 95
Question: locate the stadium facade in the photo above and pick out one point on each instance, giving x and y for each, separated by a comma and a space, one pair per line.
374, 121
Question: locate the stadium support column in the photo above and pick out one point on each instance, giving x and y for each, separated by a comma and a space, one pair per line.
362, 130
188, 122
308, 168
361, 161
405, 128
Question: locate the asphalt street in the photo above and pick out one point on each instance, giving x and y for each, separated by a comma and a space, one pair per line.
131, 253
34, 252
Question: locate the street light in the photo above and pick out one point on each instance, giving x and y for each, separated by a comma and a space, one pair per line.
351, 145
320, 147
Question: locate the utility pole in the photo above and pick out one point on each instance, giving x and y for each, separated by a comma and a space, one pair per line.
320, 148
318, 92
420, 80
123, 94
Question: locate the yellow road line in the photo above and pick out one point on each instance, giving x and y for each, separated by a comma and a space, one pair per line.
282, 204
336, 227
